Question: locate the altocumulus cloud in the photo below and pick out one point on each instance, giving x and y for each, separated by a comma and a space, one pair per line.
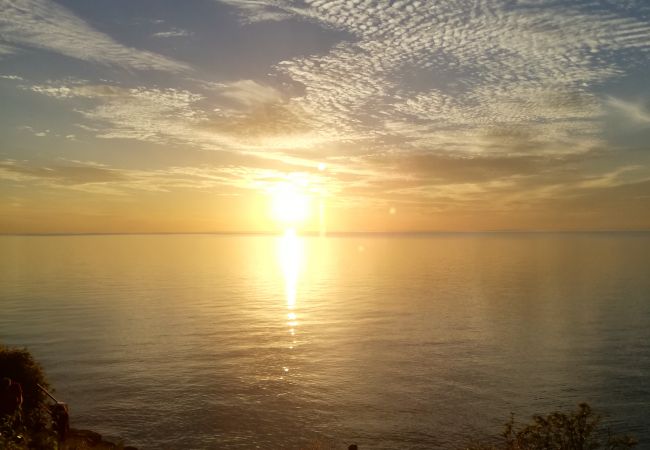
443, 74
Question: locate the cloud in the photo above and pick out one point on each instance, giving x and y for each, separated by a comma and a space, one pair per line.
96, 178
469, 105
439, 68
49, 26
41, 133
248, 93
173, 33
84, 176
427, 103
66, 175
6, 50
259, 10
252, 118
140, 113
256, 116
617, 177
633, 111
452, 167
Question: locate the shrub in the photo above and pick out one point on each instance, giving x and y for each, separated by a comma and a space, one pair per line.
577, 430
33, 430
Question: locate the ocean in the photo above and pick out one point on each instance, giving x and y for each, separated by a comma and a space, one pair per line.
424, 341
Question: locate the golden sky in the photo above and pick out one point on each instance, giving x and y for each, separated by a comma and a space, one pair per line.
251, 116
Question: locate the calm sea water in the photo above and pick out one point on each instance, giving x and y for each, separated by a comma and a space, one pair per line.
193, 342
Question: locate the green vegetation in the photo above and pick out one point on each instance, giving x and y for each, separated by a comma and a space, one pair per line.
577, 430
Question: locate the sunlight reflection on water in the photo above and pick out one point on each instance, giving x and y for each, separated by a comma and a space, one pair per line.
282, 342
290, 248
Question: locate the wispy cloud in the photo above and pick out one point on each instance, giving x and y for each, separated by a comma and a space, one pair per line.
73, 175
93, 177
617, 177
6, 50
251, 118
49, 26
38, 133
173, 33
136, 113
248, 93
261, 10
636, 112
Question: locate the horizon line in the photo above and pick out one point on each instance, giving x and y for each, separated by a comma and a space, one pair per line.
328, 234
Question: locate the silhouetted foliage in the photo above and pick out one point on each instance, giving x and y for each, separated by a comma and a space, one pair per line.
577, 430
28, 428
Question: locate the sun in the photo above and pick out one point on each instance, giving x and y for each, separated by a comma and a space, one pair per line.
289, 203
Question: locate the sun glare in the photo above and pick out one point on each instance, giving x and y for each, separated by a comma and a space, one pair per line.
289, 203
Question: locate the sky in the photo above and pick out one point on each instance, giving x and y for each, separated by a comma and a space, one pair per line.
204, 115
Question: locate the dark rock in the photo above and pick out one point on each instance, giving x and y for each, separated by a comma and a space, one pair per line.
89, 437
